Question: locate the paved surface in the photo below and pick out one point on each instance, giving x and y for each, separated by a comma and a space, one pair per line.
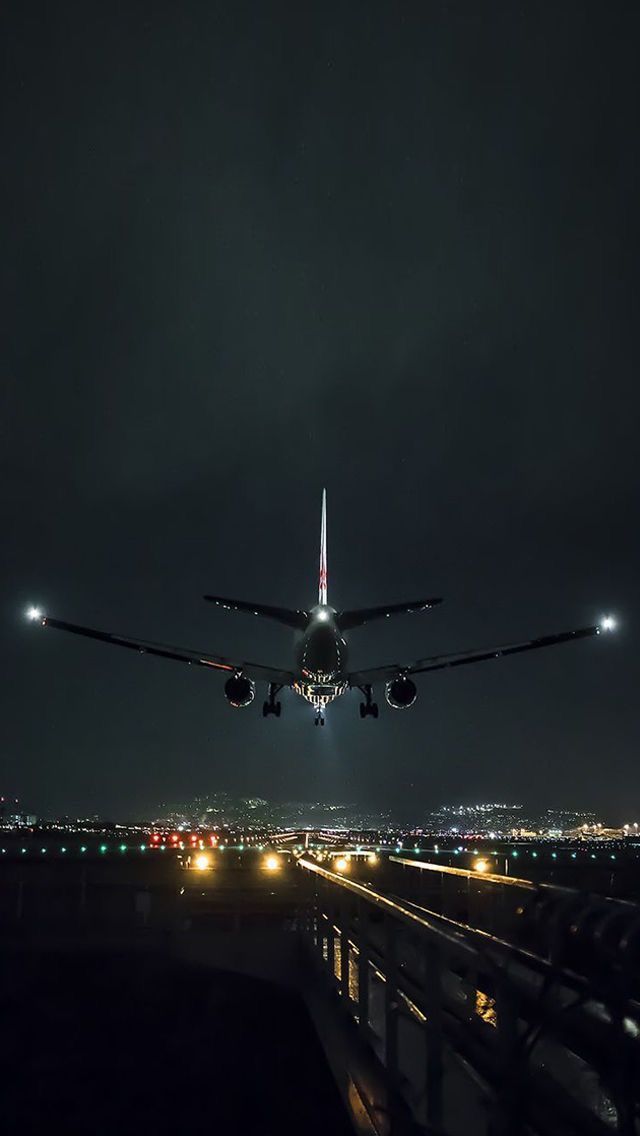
97, 1043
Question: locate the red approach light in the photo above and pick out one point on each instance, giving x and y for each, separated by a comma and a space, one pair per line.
174, 838
155, 838
194, 839
213, 840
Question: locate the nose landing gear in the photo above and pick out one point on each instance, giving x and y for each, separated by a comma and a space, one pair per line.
368, 708
271, 706
319, 718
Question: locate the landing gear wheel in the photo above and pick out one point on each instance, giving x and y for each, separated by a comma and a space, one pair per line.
368, 709
271, 706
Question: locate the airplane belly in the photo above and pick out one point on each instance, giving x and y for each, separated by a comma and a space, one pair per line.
322, 659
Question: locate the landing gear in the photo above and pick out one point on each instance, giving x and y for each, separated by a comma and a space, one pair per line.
319, 718
368, 708
271, 706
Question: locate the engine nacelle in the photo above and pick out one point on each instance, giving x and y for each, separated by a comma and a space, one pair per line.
400, 693
239, 691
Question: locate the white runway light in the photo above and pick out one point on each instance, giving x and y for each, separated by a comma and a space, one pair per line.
34, 613
608, 623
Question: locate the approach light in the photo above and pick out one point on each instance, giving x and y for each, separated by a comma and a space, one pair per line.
481, 866
34, 613
324, 615
341, 865
202, 863
272, 863
372, 858
608, 623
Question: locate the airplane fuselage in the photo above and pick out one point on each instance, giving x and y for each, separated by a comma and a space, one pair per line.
321, 657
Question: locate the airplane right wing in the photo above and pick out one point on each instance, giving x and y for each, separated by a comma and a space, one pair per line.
180, 654
461, 658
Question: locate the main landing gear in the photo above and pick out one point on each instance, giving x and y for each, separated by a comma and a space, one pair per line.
271, 706
368, 708
319, 718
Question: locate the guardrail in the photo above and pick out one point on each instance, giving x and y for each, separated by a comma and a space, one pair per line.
475, 1033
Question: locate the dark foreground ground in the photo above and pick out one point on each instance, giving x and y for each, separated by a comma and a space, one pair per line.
129, 1042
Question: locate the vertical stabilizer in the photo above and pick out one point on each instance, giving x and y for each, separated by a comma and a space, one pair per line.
322, 590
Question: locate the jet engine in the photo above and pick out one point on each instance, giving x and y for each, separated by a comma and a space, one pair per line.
239, 691
400, 693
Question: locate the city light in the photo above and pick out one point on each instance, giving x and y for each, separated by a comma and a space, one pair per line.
272, 863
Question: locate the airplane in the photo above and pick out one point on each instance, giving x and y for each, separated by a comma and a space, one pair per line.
321, 671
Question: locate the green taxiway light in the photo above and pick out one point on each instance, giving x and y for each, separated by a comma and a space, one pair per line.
123, 848
43, 850
83, 848
103, 847
63, 850
534, 853
23, 850
514, 853
554, 855
143, 847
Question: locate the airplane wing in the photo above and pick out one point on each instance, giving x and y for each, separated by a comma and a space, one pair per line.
460, 658
180, 654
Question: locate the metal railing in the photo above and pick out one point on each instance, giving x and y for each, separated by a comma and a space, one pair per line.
476, 1034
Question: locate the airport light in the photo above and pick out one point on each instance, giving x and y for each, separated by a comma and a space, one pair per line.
272, 863
481, 866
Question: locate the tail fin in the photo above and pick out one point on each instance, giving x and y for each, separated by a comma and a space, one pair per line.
322, 589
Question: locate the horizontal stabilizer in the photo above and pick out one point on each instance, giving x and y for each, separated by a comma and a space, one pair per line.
297, 619
357, 618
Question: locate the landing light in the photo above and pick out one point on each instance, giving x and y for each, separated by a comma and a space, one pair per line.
372, 858
481, 866
272, 863
608, 623
341, 865
34, 613
202, 863
324, 615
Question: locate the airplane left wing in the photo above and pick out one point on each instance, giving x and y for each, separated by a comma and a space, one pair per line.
460, 658
180, 654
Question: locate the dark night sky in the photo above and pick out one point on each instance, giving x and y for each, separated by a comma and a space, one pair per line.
253, 249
